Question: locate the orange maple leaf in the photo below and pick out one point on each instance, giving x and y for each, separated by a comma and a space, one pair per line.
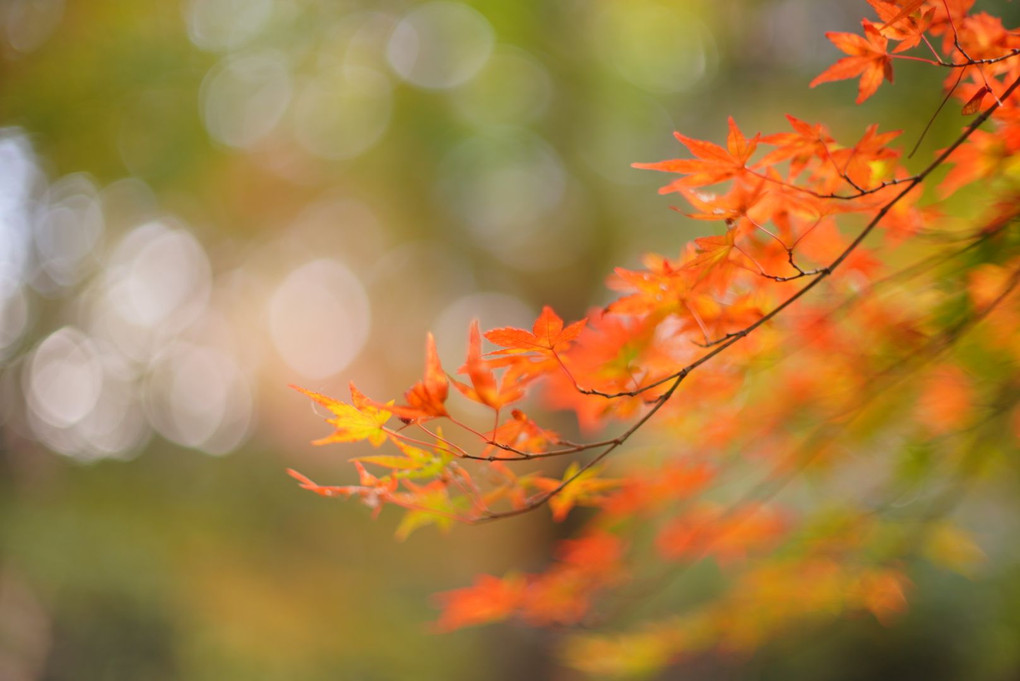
864, 160
521, 433
712, 251
597, 554
324, 490
729, 207
372, 490
713, 163
806, 143
979, 156
908, 33
547, 336
661, 288
891, 12
426, 399
559, 597
868, 59
483, 386
706, 529
648, 493
490, 599
946, 400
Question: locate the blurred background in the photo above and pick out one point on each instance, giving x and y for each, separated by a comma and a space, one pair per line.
204, 201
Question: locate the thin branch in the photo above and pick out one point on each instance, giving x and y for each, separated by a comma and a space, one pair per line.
674, 380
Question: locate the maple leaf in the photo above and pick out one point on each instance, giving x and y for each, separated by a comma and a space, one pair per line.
908, 33
865, 162
615, 353
712, 251
707, 530
372, 490
586, 489
362, 420
661, 288
490, 599
560, 597
946, 400
904, 219
729, 207
891, 12
547, 336
597, 553
976, 158
973, 105
522, 434
868, 59
426, 399
648, 493
429, 504
415, 462
805, 144
713, 163
983, 36
323, 490
483, 386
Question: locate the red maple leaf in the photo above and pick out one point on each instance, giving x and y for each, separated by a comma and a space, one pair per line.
868, 59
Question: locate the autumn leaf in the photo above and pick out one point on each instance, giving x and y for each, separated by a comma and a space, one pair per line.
372, 491
869, 159
426, 399
908, 33
484, 388
547, 336
362, 420
416, 463
712, 250
727, 536
429, 504
323, 490
489, 599
651, 490
973, 104
978, 157
729, 207
868, 59
713, 163
946, 400
806, 143
906, 7
556, 598
659, 289
597, 553
522, 434
577, 488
